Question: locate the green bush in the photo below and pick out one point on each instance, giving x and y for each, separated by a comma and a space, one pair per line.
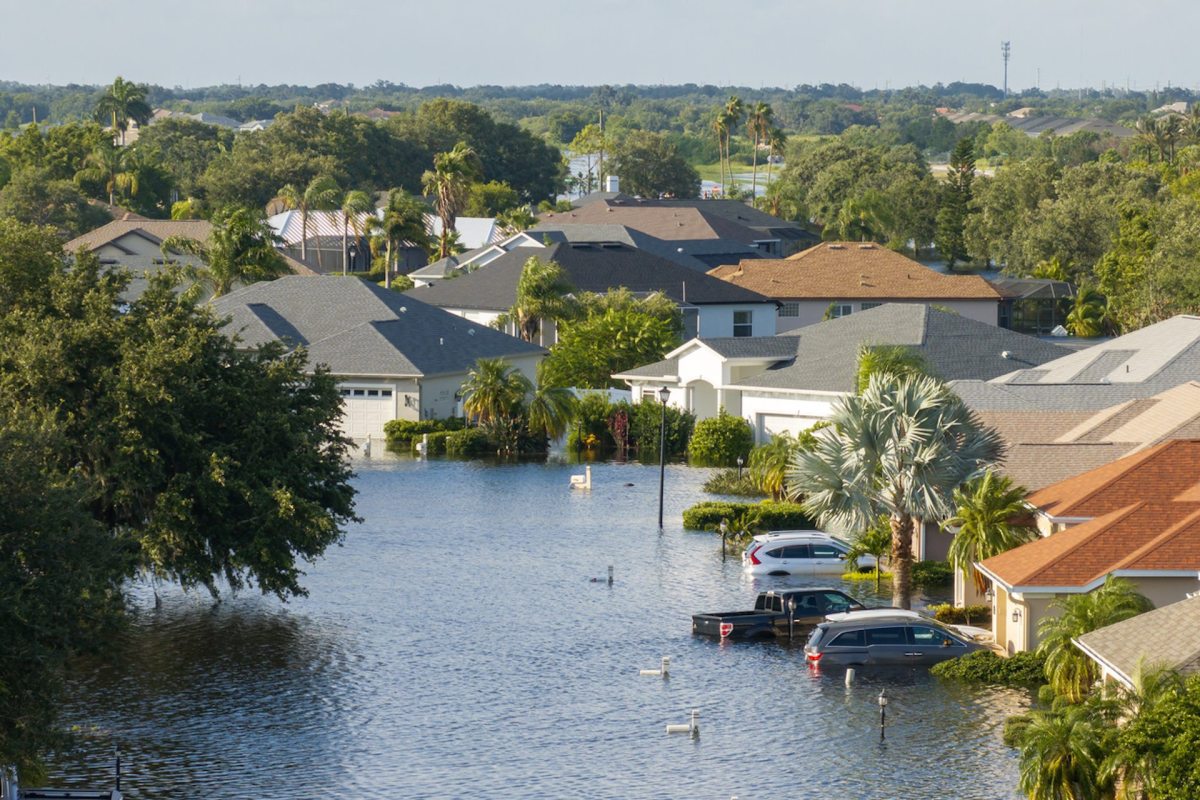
985, 666
932, 574
970, 615
401, 432
773, 516
467, 442
645, 421
719, 441
728, 481
596, 417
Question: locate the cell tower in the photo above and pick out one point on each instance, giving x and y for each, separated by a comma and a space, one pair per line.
1005, 47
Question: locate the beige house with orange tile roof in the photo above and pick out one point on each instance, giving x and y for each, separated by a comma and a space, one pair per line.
841, 278
1136, 518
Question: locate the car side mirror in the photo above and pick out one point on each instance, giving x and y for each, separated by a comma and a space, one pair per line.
841, 556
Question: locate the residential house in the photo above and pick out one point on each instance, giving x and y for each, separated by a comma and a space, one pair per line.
135, 244
711, 308
1036, 306
1136, 518
1137, 365
1044, 447
836, 279
1167, 637
394, 357
793, 381
694, 230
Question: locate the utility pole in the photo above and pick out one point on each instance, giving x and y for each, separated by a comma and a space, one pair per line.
1005, 47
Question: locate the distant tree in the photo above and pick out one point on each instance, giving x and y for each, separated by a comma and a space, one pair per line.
32, 196
888, 359
449, 182
355, 204
733, 112
592, 140
123, 102
240, 249
650, 166
402, 221
777, 141
515, 220
321, 194
551, 409
490, 199
1088, 317
760, 122
494, 390
956, 201
109, 167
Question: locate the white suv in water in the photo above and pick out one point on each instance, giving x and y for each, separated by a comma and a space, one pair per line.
798, 553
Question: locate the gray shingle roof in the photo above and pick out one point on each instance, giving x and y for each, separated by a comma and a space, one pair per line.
1167, 636
357, 328
754, 346
659, 369
590, 268
1138, 364
954, 346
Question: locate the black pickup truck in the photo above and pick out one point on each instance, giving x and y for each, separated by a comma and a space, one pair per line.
770, 617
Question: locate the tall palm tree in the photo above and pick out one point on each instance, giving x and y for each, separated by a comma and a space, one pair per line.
240, 249
1133, 769
321, 194
734, 110
1089, 313
494, 390
449, 182
760, 122
1071, 674
111, 166
987, 523
720, 127
515, 220
355, 204
551, 409
776, 141
900, 448
1061, 754
893, 359
123, 102
402, 220
543, 293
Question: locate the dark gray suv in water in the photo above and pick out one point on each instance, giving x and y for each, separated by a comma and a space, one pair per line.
895, 641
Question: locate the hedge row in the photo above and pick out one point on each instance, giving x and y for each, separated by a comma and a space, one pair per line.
953, 615
401, 432
774, 516
984, 666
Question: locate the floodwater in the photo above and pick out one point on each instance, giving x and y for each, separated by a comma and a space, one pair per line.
456, 646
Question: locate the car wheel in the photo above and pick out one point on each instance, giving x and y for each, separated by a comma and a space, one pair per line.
778, 573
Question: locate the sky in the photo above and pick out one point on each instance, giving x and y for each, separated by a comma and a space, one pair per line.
866, 43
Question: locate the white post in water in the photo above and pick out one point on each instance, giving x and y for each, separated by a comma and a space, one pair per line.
692, 727
664, 670
610, 574
849, 677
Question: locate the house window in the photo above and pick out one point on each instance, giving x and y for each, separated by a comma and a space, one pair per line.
345, 392
743, 323
866, 306
385, 392
840, 310
789, 309
372, 393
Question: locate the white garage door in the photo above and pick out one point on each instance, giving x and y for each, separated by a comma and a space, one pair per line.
771, 424
366, 411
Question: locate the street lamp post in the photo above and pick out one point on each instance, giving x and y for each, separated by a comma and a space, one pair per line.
351, 255
883, 701
664, 394
740, 461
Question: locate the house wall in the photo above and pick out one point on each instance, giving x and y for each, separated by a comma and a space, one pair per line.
146, 259
771, 413
366, 408
813, 311
1022, 635
438, 392
716, 321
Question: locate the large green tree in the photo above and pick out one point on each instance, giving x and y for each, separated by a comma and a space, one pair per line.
544, 294
449, 183
123, 102
956, 204
990, 518
899, 448
650, 166
240, 249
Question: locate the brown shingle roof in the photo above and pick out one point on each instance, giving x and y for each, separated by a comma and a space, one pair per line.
852, 270
671, 223
1142, 536
1161, 473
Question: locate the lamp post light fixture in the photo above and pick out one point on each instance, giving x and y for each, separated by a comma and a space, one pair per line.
883, 701
740, 461
664, 394
351, 256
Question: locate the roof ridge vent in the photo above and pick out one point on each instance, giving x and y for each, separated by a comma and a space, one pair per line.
837, 247
866, 246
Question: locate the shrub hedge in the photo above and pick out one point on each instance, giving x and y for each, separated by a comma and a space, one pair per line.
401, 432
774, 516
985, 666
970, 615
926, 574
727, 481
719, 441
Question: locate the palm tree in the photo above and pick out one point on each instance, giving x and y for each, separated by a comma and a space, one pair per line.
733, 111
111, 166
892, 359
984, 523
550, 409
1088, 315
123, 102
1071, 673
760, 123
1168, 130
240, 249
402, 220
875, 541
900, 448
768, 464
321, 194
1130, 768
720, 127
776, 141
354, 205
449, 182
515, 220
1060, 756
494, 390
543, 293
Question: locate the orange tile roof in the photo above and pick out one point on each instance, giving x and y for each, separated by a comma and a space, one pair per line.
852, 270
1143, 536
1166, 472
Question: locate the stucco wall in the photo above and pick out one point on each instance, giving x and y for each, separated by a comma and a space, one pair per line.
716, 321
813, 311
